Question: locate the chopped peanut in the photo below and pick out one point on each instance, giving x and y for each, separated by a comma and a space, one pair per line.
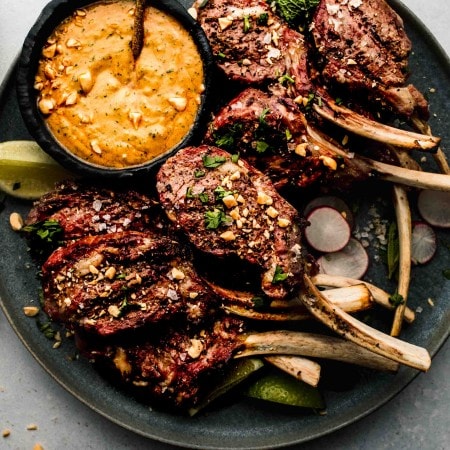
229, 201
228, 236
16, 221
264, 199
31, 311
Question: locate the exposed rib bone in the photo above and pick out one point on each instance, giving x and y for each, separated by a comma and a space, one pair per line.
413, 178
301, 368
360, 333
362, 126
439, 156
388, 172
351, 299
403, 215
379, 296
314, 346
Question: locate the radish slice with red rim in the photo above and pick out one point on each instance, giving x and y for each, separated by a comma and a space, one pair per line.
334, 202
352, 261
327, 231
434, 207
423, 243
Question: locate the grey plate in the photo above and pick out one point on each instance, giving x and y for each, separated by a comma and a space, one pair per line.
241, 424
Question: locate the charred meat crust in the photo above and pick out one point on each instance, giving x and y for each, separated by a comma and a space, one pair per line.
364, 46
270, 132
122, 281
242, 34
227, 209
174, 370
82, 209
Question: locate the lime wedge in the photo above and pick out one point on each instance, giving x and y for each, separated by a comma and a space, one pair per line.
238, 371
26, 171
280, 387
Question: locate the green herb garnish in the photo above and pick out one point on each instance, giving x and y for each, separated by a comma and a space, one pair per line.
296, 12
48, 231
286, 79
396, 299
393, 250
279, 275
198, 173
261, 146
227, 140
214, 219
220, 192
260, 302
247, 24
211, 162
235, 158
263, 19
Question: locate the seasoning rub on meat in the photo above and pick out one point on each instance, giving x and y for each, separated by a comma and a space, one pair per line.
229, 209
122, 281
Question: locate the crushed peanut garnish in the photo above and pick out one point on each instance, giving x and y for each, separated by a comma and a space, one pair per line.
31, 311
16, 221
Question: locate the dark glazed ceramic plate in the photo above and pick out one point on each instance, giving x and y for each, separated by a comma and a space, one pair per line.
241, 424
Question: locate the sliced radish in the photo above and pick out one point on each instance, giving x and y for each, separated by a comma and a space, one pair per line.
327, 231
333, 202
434, 207
423, 243
352, 261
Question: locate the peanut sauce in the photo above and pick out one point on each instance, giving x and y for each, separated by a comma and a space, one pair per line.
103, 106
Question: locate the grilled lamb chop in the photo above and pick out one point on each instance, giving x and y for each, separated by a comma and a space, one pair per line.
178, 367
363, 46
231, 210
271, 133
80, 209
256, 47
174, 369
241, 36
121, 281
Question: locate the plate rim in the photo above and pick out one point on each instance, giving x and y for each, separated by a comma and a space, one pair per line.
397, 386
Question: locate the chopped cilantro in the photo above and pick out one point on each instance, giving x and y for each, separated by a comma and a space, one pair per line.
288, 134
211, 162
227, 139
285, 79
261, 146
214, 219
203, 197
260, 302
220, 192
235, 158
279, 275
189, 193
263, 19
48, 231
46, 329
262, 117
198, 173
396, 299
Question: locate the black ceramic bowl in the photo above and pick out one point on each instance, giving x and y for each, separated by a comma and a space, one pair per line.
52, 15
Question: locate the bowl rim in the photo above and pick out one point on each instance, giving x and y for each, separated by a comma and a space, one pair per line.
51, 16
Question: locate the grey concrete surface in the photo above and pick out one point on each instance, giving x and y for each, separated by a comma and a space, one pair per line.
418, 418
